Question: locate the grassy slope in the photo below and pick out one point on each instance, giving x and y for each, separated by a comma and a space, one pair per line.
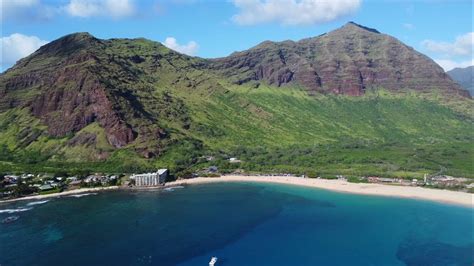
275, 129
283, 129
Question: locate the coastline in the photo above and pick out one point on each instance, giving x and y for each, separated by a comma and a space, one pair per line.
438, 195
64, 193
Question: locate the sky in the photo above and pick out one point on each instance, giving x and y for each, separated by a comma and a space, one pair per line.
443, 30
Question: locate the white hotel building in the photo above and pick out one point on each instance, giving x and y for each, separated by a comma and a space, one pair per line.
150, 179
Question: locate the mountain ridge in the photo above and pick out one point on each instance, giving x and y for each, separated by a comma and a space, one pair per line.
464, 76
435, 76
342, 61
133, 103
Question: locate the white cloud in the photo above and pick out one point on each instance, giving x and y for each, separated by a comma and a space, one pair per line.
24, 10
462, 46
447, 64
96, 8
17, 46
8, 6
292, 12
189, 49
408, 26
29, 10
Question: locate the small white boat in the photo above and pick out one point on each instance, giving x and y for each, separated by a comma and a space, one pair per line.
213, 261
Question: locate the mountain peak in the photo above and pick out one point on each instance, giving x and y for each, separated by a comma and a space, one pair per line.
353, 25
70, 43
78, 37
349, 60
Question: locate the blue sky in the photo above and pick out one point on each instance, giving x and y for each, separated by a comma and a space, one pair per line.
440, 29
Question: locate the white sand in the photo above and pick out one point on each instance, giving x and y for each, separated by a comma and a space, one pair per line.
64, 193
446, 196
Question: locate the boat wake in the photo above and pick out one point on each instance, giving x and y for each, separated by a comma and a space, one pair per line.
15, 210
37, 203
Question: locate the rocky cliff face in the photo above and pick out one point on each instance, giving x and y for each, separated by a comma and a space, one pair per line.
133, 89
123, 85
348, 61
60, 85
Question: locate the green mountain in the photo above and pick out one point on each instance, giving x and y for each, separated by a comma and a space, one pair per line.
352, 101
464, 76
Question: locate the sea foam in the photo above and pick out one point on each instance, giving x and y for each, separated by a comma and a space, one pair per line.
37, 203
172, 188
82, 195
15, 210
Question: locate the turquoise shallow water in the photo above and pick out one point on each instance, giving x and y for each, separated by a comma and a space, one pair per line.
241, 223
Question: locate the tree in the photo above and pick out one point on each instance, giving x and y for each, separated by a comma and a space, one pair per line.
311, 174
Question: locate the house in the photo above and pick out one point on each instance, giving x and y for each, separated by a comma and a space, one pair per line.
442, 179
27, 176
234, 160
212, 169
92, 178
75, 183
150, 179
387, 180
11, 178
72, 178
45, 187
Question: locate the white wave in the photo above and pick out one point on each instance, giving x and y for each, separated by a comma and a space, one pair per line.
37, 202
15, 210
82, 195
173, 188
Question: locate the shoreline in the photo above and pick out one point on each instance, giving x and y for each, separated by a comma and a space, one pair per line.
60, 194
438, 195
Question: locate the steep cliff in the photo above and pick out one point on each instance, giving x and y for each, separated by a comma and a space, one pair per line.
348, 61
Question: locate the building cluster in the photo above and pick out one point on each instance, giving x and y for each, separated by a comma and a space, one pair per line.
32, 184
447, 181
211, 171
38, 183
43, 183
99, 179
440, 181
150, 179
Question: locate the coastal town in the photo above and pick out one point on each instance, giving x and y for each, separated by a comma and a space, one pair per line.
14, 186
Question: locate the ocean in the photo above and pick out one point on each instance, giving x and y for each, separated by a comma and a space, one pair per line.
240, 223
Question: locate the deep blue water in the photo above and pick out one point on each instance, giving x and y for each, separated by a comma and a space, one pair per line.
242, 224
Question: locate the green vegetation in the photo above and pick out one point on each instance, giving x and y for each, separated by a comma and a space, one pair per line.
274, 130
182, 111
52, 191
355, 179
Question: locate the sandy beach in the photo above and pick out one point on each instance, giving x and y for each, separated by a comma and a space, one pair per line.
445, 196
64, 193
